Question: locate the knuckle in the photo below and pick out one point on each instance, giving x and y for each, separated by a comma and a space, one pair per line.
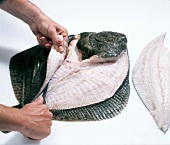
44, 107
50, 123
49, 131
50, 114
51, 30
57, 40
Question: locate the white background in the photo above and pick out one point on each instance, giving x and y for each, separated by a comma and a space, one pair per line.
140, 20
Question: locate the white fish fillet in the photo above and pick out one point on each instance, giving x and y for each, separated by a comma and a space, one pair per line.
78, 83
151, 78
55, 59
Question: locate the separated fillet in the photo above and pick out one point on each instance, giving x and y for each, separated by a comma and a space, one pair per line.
151, 79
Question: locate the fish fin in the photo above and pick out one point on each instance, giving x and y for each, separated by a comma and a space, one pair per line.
27, 72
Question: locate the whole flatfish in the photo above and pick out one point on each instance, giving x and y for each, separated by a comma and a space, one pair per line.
89, 81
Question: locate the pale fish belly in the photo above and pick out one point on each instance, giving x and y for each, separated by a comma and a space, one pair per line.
152, 82
80, 84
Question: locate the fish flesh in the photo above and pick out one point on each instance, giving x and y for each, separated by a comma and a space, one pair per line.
152, 81
89, 81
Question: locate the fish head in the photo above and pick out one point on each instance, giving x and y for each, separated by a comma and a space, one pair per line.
104, 44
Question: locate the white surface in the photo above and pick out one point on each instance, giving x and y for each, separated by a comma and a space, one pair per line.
140, 20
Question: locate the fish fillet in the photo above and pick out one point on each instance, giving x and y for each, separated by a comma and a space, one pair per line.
152, 81
89, 82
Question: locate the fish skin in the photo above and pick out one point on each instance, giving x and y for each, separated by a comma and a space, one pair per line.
152, 82
25, 73
104, 44
102, 110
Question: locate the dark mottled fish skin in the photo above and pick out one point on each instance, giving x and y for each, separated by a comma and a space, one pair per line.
28, 70
105, 44
70, 38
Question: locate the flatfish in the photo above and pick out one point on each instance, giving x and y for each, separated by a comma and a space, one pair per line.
89, 81
152, 82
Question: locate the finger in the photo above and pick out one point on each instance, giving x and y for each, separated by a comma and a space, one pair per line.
49, 123
44, 41
65, 38
64, 33
39, 100
28, 137
57, 41
48, 115
50, 42
48, 45
39, 39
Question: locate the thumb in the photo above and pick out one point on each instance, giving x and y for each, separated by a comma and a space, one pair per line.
38, 101
57, 41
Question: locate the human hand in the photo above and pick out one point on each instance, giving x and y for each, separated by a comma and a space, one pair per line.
45, 29
38, 122
47, 32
